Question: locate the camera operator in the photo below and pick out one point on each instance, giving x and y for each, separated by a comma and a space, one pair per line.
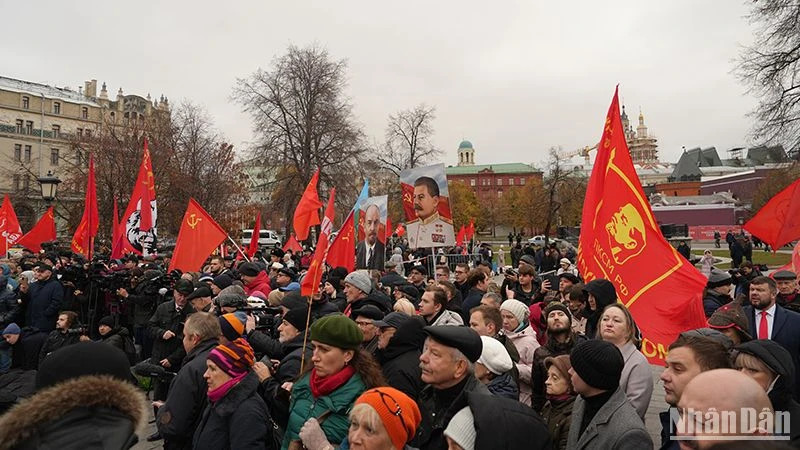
68, 331
142, 301
166, 329
42, 299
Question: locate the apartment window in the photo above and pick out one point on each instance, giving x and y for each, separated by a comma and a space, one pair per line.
56, 108
27, 153
522, 181
26, 183
85, 112
510, 181
56, 131
29, 127
80, 131
472, 182
18, 152
53, 156
26, 102
499, 194
499, 181
20, 125
16, 182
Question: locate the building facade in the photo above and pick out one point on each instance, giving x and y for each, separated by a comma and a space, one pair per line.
489, 181
642, 144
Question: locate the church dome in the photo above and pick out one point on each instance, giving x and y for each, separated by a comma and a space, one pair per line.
465, 144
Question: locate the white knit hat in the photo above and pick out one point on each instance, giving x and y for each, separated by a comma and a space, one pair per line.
461, 429
495, 356
517, 308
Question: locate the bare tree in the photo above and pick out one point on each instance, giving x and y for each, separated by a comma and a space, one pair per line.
408, 139
555, 185
770, 68
303, 121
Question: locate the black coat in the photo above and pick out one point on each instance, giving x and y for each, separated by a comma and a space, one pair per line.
785, 331
288, 370
237, 421
472, 300
166, 318
400, 359
43, 302
9, 306
504, 423
187, 399
55, 340
438, 407
144, 299
714, 300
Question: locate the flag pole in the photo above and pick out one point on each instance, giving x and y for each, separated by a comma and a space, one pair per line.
238, 248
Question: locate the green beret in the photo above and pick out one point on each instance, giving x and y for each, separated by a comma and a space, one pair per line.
337, 330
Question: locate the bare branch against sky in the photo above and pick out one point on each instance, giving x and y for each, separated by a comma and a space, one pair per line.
513, 77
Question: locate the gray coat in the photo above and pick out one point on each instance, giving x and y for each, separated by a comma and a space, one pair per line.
616, 426
636, 379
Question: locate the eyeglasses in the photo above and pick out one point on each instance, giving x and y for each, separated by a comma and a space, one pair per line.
363, 324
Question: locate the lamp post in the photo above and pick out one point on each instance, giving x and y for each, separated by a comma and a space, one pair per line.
49, 185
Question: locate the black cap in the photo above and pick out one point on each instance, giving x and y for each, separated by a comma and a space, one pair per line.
249, 269
718, 278
185, 287
784, 275
570, 276
393, 319
464, 339
41, 267
277, 252
83, 358
293, 300
529, 260
289, 272
598, 363
297, 318
222, 281
409, 290
420, 268
369, 311
202, 291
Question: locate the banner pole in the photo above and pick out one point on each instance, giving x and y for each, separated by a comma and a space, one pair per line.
238, 249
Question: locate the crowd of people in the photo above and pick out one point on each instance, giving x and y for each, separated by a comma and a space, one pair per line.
235, 357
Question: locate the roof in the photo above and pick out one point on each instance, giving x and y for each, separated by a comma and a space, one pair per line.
495, 168
711, 199
38, 89
762, 154
465, 144
687, 168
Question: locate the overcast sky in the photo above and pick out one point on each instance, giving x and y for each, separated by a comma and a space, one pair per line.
513, 77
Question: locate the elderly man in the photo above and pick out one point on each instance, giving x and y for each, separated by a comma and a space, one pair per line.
718, 291
364, 318
254, 278
200, 299
787, 289
43, 299
448, 370
357, 286
371, 253
399, 347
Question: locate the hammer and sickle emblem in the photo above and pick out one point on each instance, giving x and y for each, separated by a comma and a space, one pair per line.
193, 220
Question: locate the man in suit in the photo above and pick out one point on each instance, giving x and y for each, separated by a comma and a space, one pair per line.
768, 320
371, 253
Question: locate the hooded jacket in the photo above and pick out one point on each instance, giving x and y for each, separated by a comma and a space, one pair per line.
259, 283
400, 359
89, 412
780, 361
604, 295
9, 307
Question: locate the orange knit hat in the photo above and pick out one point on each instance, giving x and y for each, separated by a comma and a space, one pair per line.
398, 412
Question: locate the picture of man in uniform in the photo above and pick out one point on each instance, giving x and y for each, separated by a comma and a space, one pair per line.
371, 252
429, 229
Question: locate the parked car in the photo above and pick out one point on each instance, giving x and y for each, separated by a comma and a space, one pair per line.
537, 240
266, 238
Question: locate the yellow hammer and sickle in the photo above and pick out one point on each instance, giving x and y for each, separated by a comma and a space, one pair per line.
193, 220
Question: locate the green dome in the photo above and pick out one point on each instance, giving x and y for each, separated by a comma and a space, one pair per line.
465, 144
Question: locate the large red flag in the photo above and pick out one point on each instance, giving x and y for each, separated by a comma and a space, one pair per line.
83, 239
310, 284
138, 225
292, 244
462, 232
342, 251
10, 230
43, 231
198, 237
388, 228
470, 230
253, 248
307, 213
778, 222
621, 241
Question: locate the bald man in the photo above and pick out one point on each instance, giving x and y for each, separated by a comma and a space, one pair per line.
719, 392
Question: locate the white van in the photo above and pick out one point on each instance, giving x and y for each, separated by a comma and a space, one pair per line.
266, 238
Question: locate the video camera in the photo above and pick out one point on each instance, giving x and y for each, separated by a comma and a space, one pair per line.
77, 331
268, 318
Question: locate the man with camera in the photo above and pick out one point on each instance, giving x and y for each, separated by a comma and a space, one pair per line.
68, 331
142, 300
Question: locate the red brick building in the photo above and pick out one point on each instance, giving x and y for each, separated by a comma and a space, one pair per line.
489, 181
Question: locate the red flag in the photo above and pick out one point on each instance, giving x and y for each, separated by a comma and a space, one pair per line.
342, 251
307, 213
138, 224
778, 222
251, 250
794, 264
388, 228
462, 232
470, 231
400, 230
10, 230
43, 231
310, 284
292, 244
83, 239
198, 237
115, 232
621, 242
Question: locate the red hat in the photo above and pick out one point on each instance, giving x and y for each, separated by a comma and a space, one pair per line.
399, 413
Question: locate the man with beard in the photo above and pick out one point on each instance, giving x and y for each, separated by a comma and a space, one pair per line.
371, 252
560, 341
429, 229
787, 289
768, 320
718, 291
62, 336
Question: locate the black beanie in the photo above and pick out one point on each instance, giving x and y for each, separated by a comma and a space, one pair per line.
83, 358
598, 363
557, 305
107, 321
297, 318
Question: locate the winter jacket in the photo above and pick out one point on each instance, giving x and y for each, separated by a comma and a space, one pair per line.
438, 407
9, 306
237, 421
713, 300
55, 340
616, 426
178, 418
400, 359
471, 300
144, 299
507, 424
43, 302
120, 338
777, 358
447, 317
260, 283
264, 344
88, 412
636, 379
557, 414
504, 386
526, 344
25, 353
375, 298
339, 402
604, 295
167, 318
288, 369
539, 373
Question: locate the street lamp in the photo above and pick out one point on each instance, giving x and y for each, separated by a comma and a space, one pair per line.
49, 184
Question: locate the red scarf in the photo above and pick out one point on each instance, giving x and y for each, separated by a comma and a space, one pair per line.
321, 386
